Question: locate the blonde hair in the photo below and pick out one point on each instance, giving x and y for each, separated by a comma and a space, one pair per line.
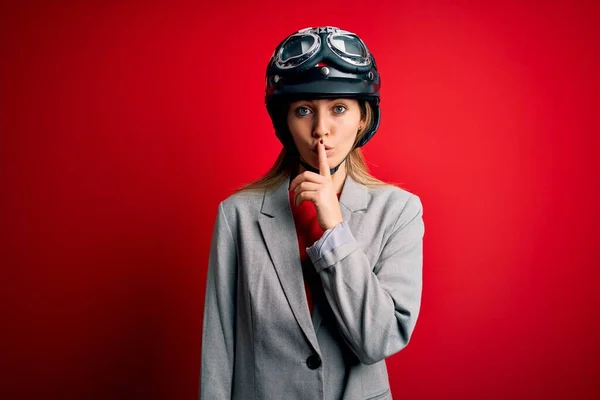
287, 164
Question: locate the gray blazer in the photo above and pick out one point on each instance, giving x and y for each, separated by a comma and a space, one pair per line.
259, 339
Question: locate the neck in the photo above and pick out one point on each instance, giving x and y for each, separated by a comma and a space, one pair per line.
338, 178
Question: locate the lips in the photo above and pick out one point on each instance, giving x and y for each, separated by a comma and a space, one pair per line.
328, 152
316, 150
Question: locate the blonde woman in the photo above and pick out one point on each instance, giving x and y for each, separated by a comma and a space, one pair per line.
315, 269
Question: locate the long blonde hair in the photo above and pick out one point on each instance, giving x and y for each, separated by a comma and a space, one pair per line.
287, 164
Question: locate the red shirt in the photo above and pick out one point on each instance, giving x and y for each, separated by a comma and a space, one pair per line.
308, 232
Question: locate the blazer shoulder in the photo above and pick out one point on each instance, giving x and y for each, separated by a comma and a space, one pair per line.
405, 205
242, 202
390, 190
395, 194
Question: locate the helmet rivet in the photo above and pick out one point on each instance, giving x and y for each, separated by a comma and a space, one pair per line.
324, 71
370, 75
276, 78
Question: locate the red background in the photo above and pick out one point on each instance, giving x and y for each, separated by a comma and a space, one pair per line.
123, 124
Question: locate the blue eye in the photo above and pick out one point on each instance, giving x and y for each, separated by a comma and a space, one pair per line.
302, 111
339, 109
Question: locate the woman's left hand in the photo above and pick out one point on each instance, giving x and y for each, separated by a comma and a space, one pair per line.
318, 188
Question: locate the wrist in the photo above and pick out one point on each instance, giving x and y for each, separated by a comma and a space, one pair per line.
332, 224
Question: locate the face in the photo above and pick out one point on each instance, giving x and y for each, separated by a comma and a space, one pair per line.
336, 121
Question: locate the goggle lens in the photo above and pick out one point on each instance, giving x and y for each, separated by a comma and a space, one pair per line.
350, 48
296, 47
349, 45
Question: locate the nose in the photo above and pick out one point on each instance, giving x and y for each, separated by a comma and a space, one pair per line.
321, 126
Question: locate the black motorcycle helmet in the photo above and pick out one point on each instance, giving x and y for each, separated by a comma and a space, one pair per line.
323, 62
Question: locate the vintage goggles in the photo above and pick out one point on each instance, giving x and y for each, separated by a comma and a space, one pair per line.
323, 44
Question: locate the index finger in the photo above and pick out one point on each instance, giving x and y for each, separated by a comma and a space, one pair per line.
323, 164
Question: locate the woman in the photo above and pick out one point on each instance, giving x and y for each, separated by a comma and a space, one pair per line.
315, 269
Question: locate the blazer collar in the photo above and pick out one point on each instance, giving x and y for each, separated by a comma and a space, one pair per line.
354, 197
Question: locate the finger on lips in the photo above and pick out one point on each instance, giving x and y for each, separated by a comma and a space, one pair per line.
323, 164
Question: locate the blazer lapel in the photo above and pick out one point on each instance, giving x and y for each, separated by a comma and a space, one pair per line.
279, 232
354, 197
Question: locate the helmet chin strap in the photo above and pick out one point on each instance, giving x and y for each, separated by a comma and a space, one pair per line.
310, 168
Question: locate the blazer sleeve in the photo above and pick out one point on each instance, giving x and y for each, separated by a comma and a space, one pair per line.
376, 306
218, 331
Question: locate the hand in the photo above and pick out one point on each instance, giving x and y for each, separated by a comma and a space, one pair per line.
318, 188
